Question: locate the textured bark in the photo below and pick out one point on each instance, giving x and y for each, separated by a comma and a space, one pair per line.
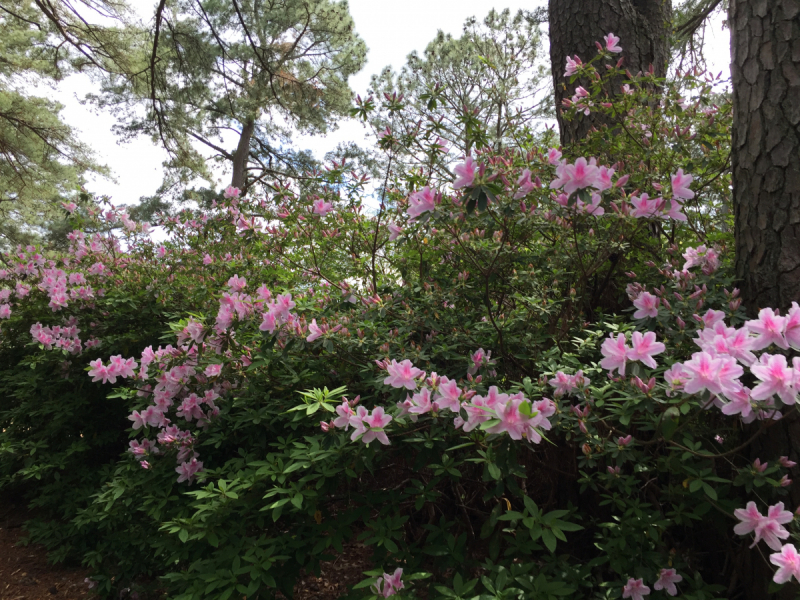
642, 25
765, 65
239, 179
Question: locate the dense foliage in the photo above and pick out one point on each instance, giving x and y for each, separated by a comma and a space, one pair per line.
530, 379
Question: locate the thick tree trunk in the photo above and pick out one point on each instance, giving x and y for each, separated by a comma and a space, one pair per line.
765, 64
643, 27
239, 179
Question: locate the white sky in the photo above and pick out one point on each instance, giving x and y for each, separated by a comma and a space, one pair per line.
391, 31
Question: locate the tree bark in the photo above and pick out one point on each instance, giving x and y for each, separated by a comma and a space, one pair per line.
643, 27
239, 179
765, 65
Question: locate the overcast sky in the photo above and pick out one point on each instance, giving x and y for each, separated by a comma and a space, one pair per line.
391, 31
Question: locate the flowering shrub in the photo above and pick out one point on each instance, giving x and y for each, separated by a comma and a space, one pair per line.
441, 379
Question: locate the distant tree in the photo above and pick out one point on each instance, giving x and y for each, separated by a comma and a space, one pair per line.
237, 77
42, 162
480, 89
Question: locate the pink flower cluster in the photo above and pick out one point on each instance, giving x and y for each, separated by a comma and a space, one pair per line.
388, 585
705, 258
117, 367
64, 338
635, 589
616, 352
367, 426
566, 384
768, 528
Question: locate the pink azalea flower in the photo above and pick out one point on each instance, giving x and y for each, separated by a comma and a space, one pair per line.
572, 66
315, 331
421, 202
394, 231
680, 185
207, 260
604, 179
673, 211
770, 528
776, 378
99, 372
667, 578
702, 373
448, 395
402, 374
421, 402
321, 208
525, 185
580, 175
188, 470
791, 331
512, 421
376, 422
644, 206
69, 206
647, 304
554, 156
388, 585
236, 283
635, 589
465, 173
615, 352
611, 43
345, 412
644, 348
788, 563
5, 311
213, 370
563, 383
739, 403
231, 192
769, 328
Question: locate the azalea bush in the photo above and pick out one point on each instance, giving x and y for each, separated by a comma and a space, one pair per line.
534, 379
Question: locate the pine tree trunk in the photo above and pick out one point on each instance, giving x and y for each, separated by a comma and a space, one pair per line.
239, 179
765, 64
643, 27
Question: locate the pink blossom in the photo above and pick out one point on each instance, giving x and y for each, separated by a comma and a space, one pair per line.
770, 528
580, 175
647, 304
667, 578
776, 378
121, 367
69, 206
563, 383
98, 372
321, 208
635, 589
388, 585
269, 322
207, 260
394, 231
345, 412
376, 422
615, 352
524, 184
644, 348
213, 370
236, 283
680, 185
231, 192
554, 156
740, 403
421, 202
791, 331
188, 470
644, 206
769, 328
702, 373
785, 462
572, 66
673, 211
448, 395
611, 43
421, 402
5, 311
788, 563
465, 173
316, 332
512, 421
403, 374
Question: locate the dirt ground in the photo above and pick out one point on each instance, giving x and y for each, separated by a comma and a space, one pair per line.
26, 575
24, 571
